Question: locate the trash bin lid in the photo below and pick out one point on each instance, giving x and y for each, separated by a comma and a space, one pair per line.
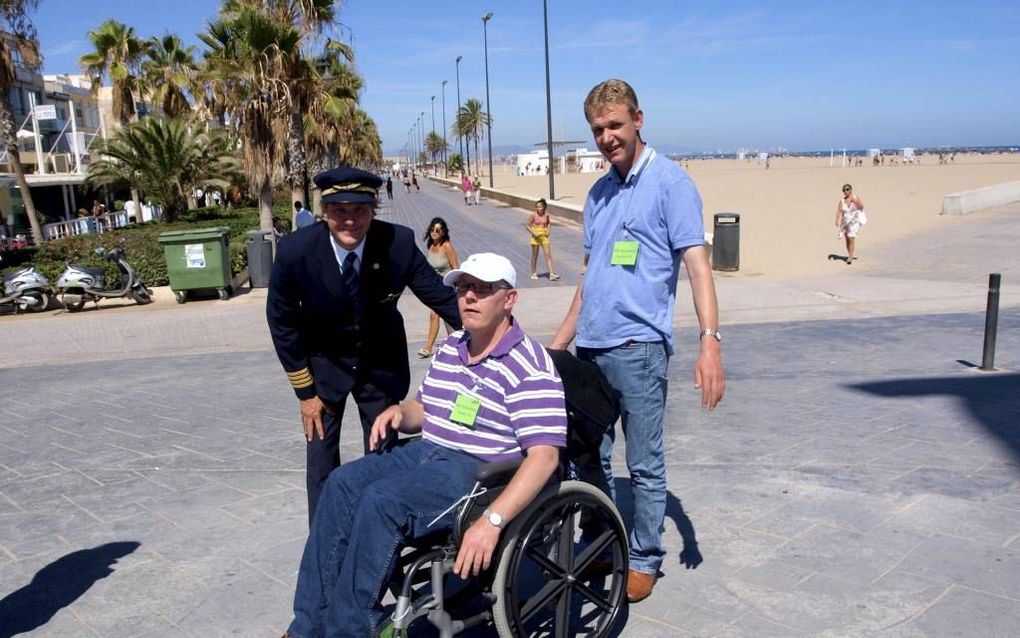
197, 234
257, 234
729, 218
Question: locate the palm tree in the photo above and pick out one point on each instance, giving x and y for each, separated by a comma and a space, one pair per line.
309, 18
18, 35
470, 122
327, 121
167, 160
170, 73
435, 145
118, 53
245, 68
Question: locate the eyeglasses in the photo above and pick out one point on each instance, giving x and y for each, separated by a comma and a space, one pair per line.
483, 289
846, 190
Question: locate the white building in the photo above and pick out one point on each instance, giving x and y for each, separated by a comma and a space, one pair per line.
535, 163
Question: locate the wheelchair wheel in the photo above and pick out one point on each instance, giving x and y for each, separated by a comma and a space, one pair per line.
563, 568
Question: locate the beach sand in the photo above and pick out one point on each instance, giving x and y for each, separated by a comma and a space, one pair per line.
787, 212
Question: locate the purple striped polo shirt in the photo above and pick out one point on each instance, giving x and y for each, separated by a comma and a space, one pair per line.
520, 394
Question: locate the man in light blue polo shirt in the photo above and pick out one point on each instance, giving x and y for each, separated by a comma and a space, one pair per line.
302, 216
640, 221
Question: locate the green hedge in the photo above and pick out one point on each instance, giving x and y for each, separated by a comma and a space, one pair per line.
141, 245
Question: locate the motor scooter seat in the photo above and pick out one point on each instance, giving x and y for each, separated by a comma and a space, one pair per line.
95, 271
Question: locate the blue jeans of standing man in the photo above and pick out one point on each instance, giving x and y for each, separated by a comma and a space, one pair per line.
368, 510
637, 371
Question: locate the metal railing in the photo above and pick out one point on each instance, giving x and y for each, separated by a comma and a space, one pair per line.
86, 225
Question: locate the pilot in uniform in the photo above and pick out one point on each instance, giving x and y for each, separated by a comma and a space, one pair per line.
332, 312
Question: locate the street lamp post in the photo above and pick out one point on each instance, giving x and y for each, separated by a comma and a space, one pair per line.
434, 171
488, 102
456, 112
548, 104
421, 118
445, 164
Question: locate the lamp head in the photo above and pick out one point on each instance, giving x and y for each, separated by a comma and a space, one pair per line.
459, 58
487, 17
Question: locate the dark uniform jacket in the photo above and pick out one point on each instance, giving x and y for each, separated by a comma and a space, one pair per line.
323, 345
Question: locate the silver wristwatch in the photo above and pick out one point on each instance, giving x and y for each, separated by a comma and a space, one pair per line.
494, 518
712, 333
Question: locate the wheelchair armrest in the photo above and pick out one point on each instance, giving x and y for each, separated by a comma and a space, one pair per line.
498, 472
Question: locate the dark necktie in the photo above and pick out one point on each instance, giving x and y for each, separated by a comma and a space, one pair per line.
350, 277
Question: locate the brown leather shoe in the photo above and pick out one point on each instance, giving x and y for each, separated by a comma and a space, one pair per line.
639, 585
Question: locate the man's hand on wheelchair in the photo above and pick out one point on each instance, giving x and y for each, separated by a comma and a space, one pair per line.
476, 548
388, 420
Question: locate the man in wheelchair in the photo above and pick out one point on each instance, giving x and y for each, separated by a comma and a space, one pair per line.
491, 393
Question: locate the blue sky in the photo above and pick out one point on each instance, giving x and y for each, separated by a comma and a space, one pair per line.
717, 75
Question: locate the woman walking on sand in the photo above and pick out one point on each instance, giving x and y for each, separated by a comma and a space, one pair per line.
538, 226
443, 257
849, 219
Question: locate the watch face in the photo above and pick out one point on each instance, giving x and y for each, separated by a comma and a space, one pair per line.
495, 519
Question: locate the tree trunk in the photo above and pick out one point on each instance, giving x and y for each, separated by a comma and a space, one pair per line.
296, 159
138, 203
266, 210
10, 137
467, 155
478, 158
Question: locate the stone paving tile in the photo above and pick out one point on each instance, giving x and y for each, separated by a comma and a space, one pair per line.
851, 556
965, 612
951, 560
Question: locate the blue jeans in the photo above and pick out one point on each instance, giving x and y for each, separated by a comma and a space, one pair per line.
637, 371
368, 510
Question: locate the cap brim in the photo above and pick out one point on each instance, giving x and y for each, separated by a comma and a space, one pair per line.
349, 197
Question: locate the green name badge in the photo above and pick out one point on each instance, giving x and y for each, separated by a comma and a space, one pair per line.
624, 253
465, 410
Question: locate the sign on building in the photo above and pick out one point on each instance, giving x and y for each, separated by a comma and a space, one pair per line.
45, 112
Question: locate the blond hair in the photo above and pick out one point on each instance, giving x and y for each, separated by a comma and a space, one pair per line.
607, 94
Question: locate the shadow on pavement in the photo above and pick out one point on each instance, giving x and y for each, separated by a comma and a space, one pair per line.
992, 398
690, 557
58, 585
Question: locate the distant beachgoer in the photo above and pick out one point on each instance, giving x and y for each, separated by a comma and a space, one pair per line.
465, 185
476, 189
443, 257
849, 219
407, 183
414, 181
389, 187
538, 226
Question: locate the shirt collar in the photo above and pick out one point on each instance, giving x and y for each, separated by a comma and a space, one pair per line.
639, 165
341, 252
507, 342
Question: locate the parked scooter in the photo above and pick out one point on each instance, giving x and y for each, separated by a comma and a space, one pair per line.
26, 289
79, 284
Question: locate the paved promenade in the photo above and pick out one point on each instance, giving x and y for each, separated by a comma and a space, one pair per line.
860, 477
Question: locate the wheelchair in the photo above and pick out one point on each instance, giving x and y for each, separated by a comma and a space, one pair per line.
560, 567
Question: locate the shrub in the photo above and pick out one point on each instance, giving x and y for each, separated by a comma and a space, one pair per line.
118, 204
141, 245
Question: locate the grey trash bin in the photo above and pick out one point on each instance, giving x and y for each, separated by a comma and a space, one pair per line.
260, 258
726, 242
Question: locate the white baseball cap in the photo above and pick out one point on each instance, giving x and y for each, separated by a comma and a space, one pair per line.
488, 267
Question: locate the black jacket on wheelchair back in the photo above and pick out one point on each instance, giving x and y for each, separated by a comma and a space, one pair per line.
592, 404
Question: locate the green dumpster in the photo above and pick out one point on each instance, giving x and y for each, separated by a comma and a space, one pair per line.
197, 260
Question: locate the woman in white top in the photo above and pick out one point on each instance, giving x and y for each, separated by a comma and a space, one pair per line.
849, 219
